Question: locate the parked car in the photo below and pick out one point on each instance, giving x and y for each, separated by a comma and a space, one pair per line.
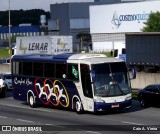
2, 87
150, 95
5, 61
7, 77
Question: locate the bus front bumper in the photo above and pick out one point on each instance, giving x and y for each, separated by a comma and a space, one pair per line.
100, 106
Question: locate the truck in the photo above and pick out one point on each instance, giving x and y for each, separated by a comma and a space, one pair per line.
143, 51
43, 45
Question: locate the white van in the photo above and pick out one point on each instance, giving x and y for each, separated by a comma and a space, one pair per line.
7, 80
2, 87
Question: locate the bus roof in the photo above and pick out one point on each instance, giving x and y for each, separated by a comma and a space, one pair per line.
92, 58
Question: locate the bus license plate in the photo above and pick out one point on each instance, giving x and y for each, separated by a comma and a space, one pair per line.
115, 106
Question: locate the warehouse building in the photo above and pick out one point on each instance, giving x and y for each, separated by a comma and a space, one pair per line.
109, 23
72, 19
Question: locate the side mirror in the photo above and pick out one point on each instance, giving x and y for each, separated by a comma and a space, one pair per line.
133, 70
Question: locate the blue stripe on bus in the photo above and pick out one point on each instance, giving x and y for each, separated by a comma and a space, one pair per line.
38, 57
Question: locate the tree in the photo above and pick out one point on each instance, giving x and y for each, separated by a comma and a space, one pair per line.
153, 23
13, 38
23, 16
85, 36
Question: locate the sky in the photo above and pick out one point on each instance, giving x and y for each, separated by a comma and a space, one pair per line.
33, 4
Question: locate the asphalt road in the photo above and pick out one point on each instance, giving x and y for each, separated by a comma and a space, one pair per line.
52, 120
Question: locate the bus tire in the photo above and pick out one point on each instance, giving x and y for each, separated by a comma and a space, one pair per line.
78, 107
3, 92
31, 101
143, 102
6, 87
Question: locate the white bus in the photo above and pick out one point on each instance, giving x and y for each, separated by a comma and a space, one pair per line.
82, 82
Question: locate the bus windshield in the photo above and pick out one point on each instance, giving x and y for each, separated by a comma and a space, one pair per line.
111, 79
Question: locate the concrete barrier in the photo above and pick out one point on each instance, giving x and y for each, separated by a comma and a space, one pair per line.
5, 68
143, 79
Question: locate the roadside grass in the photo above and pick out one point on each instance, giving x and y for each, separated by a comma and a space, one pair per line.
108, 54
4, 53
134, 94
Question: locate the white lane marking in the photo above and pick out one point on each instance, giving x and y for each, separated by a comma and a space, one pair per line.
131, 123
4, 117
25, 120
93, 132
52, 111
80, 129
55, 125
43, 110
50, 124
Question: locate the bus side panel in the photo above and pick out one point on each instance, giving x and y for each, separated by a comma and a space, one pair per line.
21, 86
58, 93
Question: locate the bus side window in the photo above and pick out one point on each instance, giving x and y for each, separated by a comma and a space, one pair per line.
49, 69
86, 81
60, 70
38, 69
73, 73
17, 67
20, 67
27, 68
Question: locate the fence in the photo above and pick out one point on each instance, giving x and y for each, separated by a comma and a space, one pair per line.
143, 79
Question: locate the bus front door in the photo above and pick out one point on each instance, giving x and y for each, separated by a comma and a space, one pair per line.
87, 101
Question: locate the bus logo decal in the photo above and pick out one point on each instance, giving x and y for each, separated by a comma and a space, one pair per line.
22, 81
74, 72
52, 92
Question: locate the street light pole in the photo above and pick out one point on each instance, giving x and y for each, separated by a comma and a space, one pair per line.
9, 36
9, 27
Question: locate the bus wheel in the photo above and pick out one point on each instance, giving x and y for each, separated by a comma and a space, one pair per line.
6, 87
78, 107
143, 102
31, 101
3, 92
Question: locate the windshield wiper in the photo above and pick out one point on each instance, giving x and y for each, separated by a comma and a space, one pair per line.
115, 84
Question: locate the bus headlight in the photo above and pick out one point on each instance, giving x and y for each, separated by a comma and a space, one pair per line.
99, 99
128, 97
3, 85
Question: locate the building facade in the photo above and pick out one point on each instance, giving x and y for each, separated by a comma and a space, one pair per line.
19, 30
110, 28
72, 19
